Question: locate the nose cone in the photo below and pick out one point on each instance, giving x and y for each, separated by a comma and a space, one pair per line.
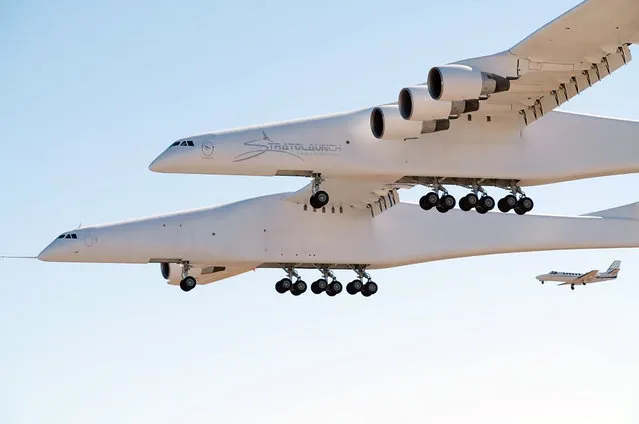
161, 164
54, 252
175, 159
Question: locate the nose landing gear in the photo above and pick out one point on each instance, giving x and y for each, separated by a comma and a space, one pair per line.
319, 198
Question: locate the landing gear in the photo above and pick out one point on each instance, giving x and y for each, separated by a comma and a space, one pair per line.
286, 284
328, 283
319, 198
468, 202
334, 288
356, 286
432, 199
510, 202
283, 285
187, 283
572, 287
319, 286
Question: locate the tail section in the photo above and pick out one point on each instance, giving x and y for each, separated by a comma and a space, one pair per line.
614, 268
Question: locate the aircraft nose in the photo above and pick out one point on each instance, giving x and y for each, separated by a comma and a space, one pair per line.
161, 163
52, 253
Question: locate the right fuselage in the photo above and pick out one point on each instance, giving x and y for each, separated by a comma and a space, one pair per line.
559, 147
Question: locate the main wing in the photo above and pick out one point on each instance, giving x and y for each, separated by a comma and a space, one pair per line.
586, 278
555, 63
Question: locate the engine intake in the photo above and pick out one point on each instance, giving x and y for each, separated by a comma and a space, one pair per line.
387, 124
461, 82
416, 104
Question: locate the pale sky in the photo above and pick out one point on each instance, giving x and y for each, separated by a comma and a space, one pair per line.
90, 94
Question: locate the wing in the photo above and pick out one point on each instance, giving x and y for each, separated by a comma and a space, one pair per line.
562, 59
371, 196
583, 278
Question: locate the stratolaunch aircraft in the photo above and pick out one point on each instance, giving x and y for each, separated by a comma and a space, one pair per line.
485, 121
479, 122
589, 277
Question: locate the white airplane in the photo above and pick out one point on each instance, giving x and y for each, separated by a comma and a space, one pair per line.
485, 121
479, 122
574, 278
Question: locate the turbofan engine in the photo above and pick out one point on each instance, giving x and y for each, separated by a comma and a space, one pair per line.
460, 82
387, 124
416, 104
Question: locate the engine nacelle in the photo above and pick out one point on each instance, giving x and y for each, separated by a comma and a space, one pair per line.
416, 104
387, 124
171, 271
461, 82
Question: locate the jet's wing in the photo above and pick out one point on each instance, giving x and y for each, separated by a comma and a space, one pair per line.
588, 277
563, 58
560, 60
372, 196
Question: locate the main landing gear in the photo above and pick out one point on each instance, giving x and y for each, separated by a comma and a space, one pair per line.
477, 199
319, 198
328, 283
187, 283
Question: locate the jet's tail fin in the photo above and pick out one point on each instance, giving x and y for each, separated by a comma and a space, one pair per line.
630, 211
614, 268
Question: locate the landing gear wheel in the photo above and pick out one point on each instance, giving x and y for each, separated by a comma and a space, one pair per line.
480, 209
319, 286
519, 210
283, 285
572, 287
354, 287
486, 202
429, 200
507, 203
502, 206
298, 288
335, 287
472, 200
319, 199
369, 289
447, 201
441, 208
188, 283
463, 204
526, 204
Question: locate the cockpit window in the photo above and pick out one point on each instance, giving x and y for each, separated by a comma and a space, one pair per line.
61, 235
183, 143
68, 236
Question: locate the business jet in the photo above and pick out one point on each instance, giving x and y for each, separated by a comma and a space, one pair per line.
589, 277
481, 122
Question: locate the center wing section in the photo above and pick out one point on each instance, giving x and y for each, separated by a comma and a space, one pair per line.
370, 196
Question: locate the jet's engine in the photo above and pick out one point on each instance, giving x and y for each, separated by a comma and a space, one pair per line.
387, 124
460, 82
171, 271
416, 104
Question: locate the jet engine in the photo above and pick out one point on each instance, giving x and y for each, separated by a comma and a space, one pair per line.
416, 104
171, 271
460, 82
387, 124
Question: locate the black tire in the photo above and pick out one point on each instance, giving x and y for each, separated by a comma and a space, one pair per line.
322, 198
526, 203
188, 283
334, 288
519, 210
448, 201
464, 205
369, 289
502, 206
432, 198
423, 203
298, 288
511, 201
487, 202
442, 208
283, 285
572, 287
314, 203
354, 287
472, 200
480, 209
319, 286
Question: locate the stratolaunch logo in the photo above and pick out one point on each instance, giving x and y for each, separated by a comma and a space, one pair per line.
264, 144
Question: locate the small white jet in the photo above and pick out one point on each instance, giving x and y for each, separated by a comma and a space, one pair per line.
574, 278
478, 122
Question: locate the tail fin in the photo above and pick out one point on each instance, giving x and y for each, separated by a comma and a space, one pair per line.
614, 267
630, 211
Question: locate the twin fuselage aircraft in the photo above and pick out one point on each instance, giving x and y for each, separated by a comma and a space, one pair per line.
479, 123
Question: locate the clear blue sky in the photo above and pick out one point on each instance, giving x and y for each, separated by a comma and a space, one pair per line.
90, 94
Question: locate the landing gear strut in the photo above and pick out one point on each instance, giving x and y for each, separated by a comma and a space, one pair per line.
357, 286
322, 285
481, 203
319, 198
